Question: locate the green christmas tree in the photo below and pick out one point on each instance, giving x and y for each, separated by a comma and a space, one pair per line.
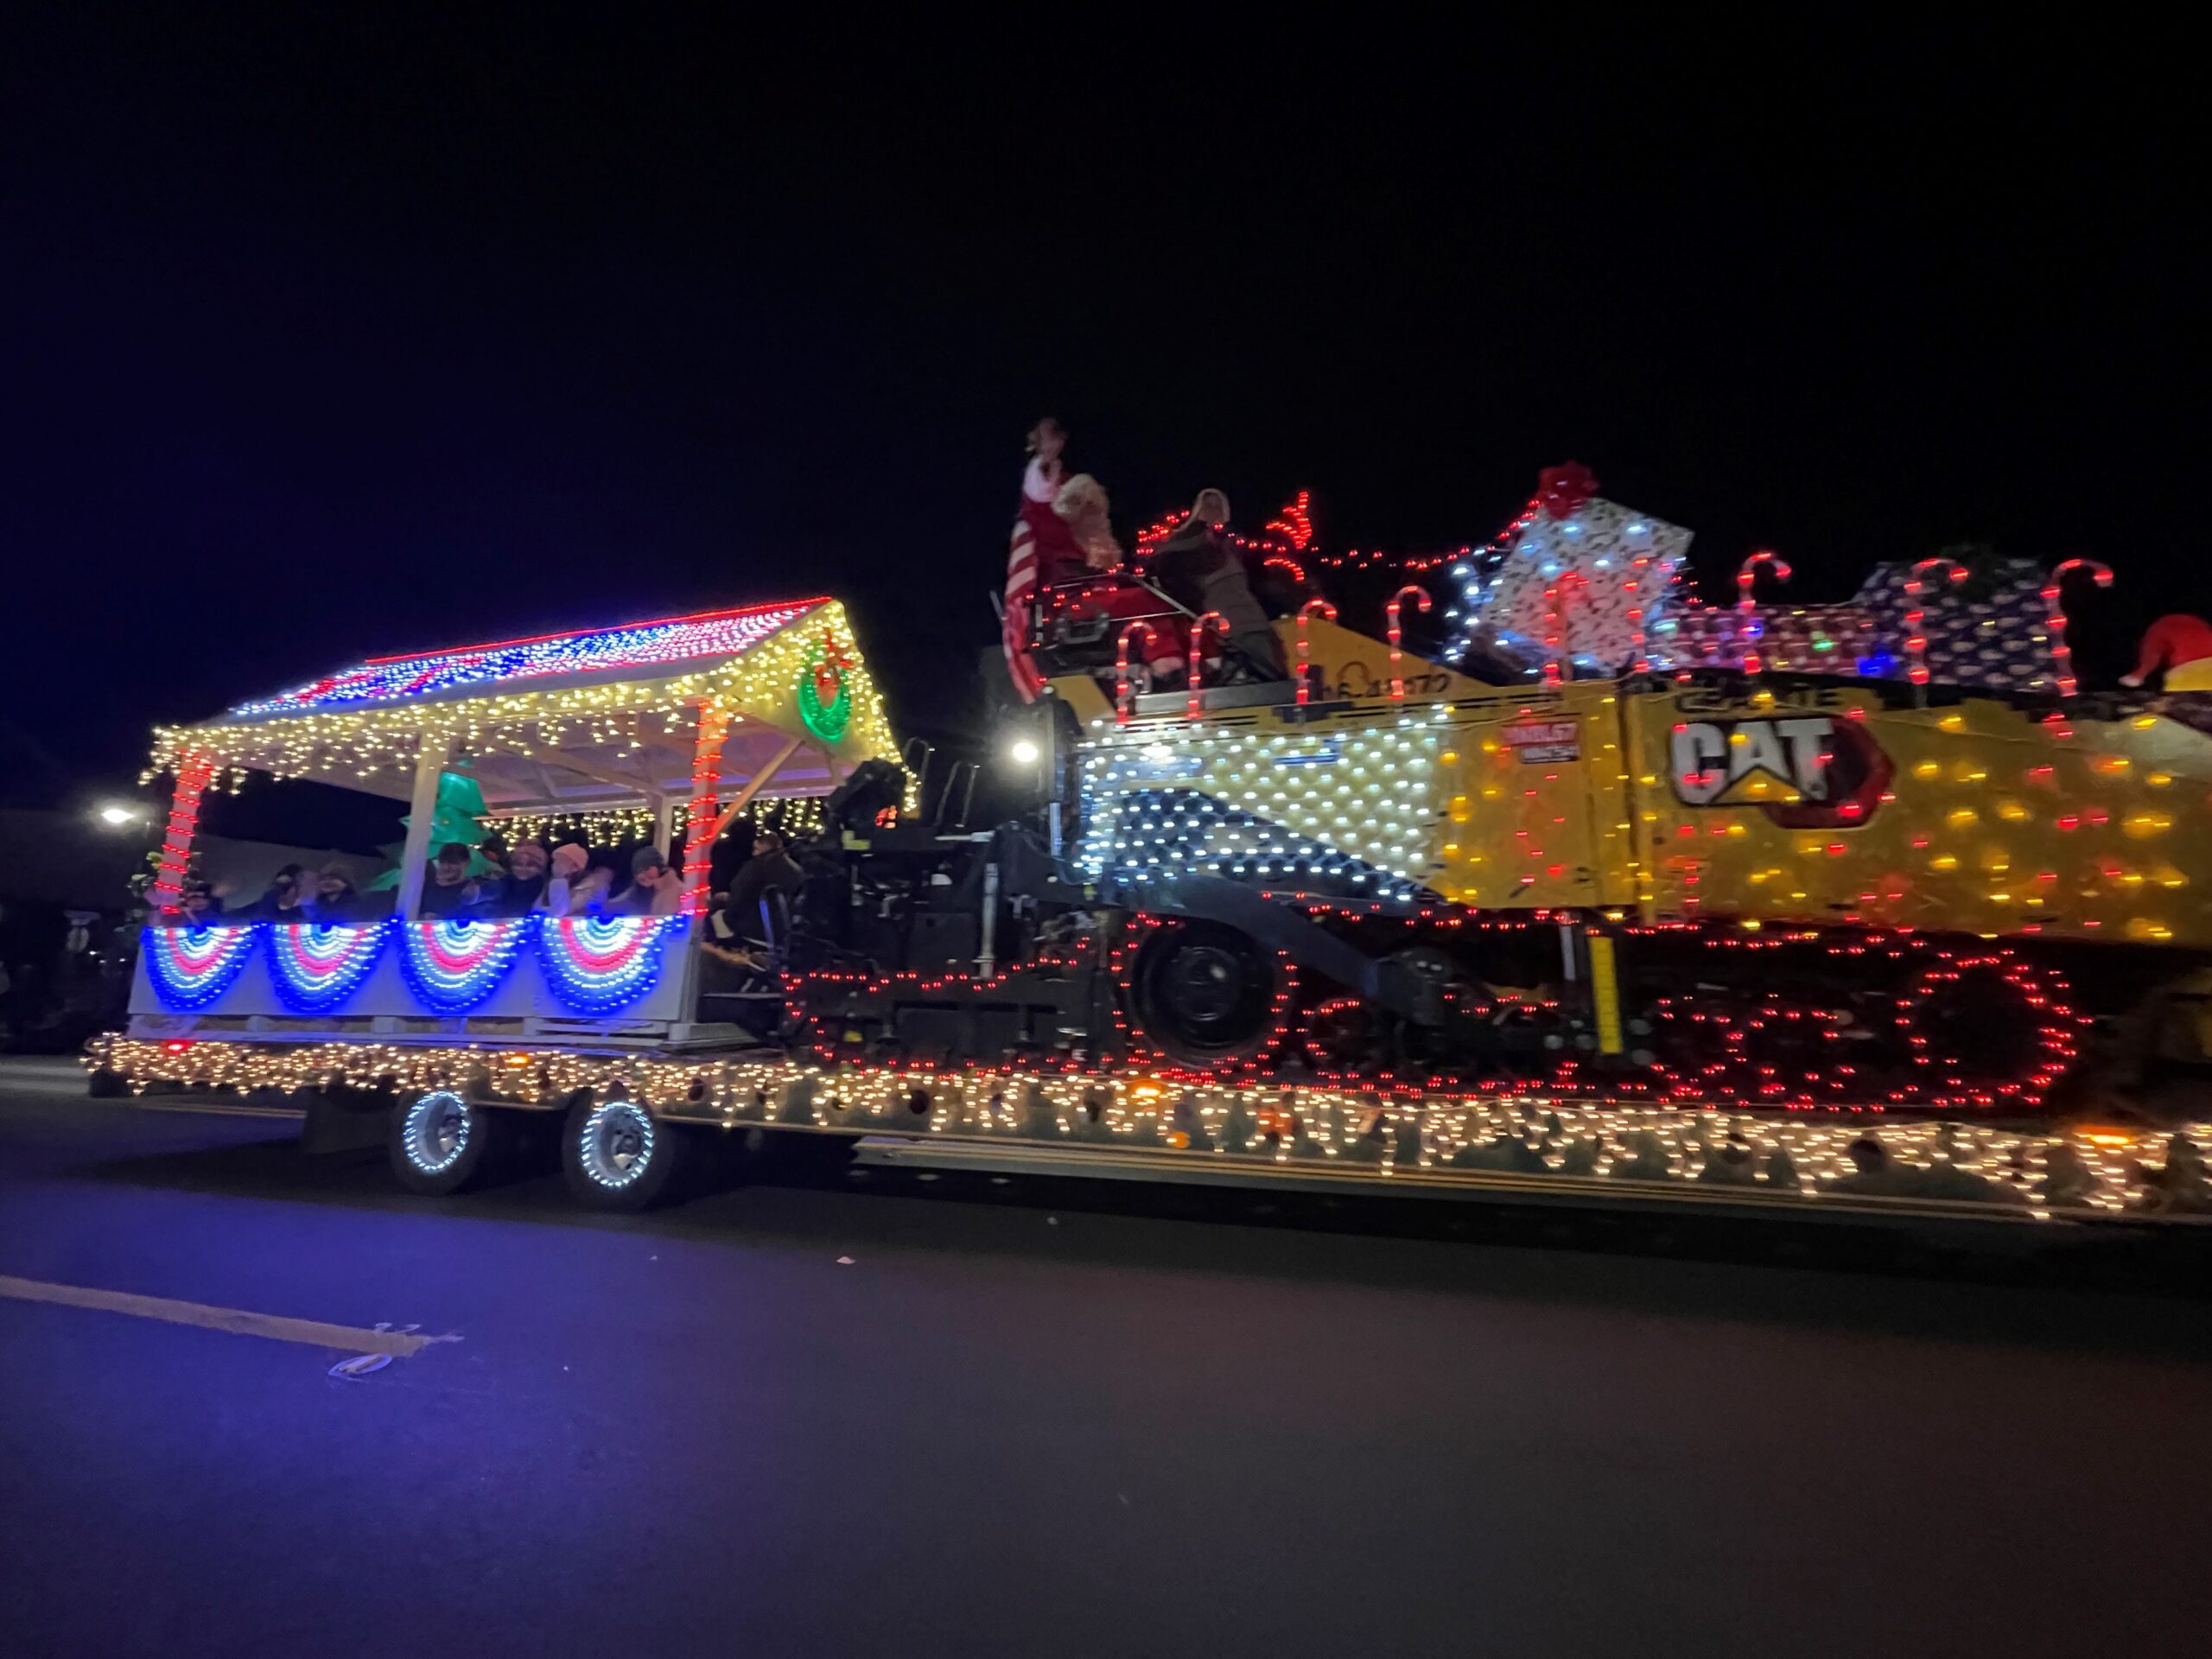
460, 806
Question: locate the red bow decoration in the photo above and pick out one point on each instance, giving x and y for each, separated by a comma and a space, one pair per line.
1562, 489
829, 672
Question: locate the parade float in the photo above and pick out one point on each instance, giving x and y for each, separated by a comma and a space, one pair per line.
1867, 907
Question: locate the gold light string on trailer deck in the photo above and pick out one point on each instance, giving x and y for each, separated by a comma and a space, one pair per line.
1991, 1169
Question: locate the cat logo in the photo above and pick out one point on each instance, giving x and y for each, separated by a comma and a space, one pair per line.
1803, 771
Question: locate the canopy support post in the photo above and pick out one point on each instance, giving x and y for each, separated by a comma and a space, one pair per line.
194, 772
421, 814
754, 787
706, 783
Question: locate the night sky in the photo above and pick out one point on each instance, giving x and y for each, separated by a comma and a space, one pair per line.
331, 336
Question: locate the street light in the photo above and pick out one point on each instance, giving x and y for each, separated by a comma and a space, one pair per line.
115, 817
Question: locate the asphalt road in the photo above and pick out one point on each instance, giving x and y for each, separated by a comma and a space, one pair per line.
825, 1414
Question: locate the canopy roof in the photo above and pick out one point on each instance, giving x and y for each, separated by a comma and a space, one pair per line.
596, 718
632, 651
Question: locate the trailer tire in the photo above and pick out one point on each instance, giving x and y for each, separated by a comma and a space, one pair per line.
617, 1155
439, 1142
104, 1084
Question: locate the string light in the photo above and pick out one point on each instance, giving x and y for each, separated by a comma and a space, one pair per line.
1916, 641
346, 741
1483, 1140
1295, 525
699, 830
596, 965
1395, 627
2062, 652
592, 964
613, 826
191, 967
643, 644
1747, 611
793, 816
1124, 690
315, 968
1219, 624
1305, 614
454, 965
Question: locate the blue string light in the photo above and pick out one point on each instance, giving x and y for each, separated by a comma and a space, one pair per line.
454, 965
190, 967
315, 968
596, 965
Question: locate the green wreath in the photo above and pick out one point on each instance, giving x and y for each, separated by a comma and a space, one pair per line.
827, 721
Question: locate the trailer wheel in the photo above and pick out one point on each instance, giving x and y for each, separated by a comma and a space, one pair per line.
438, 1142
617, 1155
104, 1084
1205, 995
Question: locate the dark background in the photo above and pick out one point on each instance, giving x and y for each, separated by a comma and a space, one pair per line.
334, 334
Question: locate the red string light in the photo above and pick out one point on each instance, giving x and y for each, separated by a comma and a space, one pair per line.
1747, 615
2062, 653
1219, 624
1422, 602
1124, 694
1916, 642
706, 781
1305, 615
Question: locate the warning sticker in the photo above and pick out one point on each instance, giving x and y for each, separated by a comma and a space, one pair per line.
1539, 742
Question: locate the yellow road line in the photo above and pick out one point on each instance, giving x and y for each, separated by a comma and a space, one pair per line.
236, 1321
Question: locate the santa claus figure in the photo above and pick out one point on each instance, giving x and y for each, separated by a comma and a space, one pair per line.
2181, 644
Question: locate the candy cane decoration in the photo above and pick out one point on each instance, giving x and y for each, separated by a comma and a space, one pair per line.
1747, 610
1639, 658
1124, 692
1398, 633
2062, 654
1219, 624
1916, 640
1305, 614
1555, 623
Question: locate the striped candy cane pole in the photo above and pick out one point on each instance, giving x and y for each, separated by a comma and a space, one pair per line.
1916, 636
2062, 654
1219, 624
1747, 612
1124, 693
1305, 614
1397, 632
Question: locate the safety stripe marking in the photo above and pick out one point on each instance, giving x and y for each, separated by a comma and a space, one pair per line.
236, 1320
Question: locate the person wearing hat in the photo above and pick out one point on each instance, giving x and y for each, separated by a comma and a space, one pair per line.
336, 904
654, 889
523, 888
448, 891
577, 885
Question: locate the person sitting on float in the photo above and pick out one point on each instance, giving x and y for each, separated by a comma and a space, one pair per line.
336, 903
523, 888
286, 902
578, 885
448, 891
197, 906
655, 889
1202, 571
1083, 503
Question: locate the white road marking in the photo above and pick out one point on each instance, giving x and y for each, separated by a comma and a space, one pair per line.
236, 1321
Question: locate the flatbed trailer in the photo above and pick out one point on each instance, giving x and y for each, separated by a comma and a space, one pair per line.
446, 1108
1073, 1000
